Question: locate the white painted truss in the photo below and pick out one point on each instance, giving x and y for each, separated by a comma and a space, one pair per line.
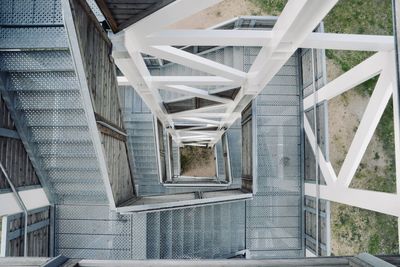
293, 30
337, 185
150, 36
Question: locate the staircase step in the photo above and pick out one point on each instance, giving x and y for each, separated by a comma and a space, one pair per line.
55, 117
27, 37
32, 61
60, 134
43, 81
32, 100
73, 163
66, 148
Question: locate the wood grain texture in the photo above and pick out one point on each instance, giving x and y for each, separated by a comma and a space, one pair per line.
101, 77
38, 241
13, 156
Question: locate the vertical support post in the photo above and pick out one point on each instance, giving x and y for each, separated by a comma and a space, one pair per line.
52, 210
4, 240
316, 155
396, 95
21, 205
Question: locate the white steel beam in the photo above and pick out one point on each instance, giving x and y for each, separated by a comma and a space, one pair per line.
337, 41
297, 20
386, 203
209, 37
150, 96
168, 15
364, 71
372, 115
326, 167
195, 92
158, 81
358, 42
200, 115
195, 112
194, 61
201, 120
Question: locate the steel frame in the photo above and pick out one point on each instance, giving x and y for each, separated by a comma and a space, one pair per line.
293, 29
148, 36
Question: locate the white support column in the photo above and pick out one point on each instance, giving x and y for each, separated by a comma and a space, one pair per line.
372, 115
297, 20
326, 167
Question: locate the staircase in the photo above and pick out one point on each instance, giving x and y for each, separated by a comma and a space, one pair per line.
209, 232
42, 92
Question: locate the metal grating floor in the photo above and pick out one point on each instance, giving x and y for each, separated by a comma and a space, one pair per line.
274, 216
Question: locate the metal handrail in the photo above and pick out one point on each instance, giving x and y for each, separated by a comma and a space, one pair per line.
22, 206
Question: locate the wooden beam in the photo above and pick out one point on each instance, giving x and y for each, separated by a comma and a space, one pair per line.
9, 133
158, 5
107, 14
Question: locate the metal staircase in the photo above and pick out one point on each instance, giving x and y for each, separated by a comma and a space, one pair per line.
209, 232
42, 91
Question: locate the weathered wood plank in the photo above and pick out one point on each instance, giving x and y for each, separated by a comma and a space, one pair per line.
38, 239
13, 155
101, 77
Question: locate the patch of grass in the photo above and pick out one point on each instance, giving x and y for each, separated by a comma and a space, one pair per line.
358, 230
366, 17
271, 7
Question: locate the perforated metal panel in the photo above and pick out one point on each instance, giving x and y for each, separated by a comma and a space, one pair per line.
96, 233
215, 231
274, 216
44, 94
39, 12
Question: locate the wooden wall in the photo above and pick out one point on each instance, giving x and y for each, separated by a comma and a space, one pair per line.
38, 239
13, 155
247, 150
102, 81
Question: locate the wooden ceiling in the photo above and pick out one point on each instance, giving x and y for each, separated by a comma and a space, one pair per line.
122, 13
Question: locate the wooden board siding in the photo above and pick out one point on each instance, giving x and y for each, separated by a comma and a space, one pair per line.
121, 14
118, 169
101, 77
247, 150
13, 156
38, 240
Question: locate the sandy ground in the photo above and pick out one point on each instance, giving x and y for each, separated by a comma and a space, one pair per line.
345, 113
200, 163
221, 12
